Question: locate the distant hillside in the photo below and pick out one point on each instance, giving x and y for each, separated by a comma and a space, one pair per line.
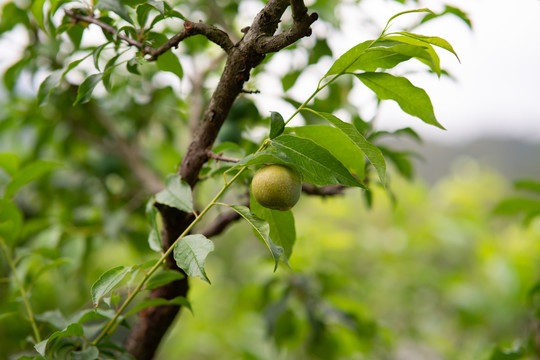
512, 158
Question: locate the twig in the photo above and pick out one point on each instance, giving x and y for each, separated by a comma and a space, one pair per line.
220, 224
108, 28
212, 33
220, 157
329, 190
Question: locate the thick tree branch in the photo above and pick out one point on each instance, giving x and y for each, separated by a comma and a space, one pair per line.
242, 57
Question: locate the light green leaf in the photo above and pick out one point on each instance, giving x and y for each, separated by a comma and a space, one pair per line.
428, 56
413, 100
318, 165
372, 152
282, 228
163, 277
27, 174
169, 62
262, 231
48, 85
37, 11
89, 353
107, 282
72, 330
178, 301
525, 184
190, 254
277, 124
115, 6
177, 194
11, 220
434, 40
84, 93
337, 143
349, 57
407, 12
9, 162
154, 238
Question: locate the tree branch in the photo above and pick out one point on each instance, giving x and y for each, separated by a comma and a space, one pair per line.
329, 190
242, 57
220, 224
108, 28
212, 33
219, 157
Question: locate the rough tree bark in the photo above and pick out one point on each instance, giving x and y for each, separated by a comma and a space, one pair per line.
259, 39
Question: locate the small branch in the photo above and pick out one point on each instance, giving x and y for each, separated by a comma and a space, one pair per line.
329, 190
244, 91
220, 224
108, 28
212, 33
219, 157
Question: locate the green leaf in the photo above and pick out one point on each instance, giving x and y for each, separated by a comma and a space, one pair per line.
425, 53
154, 238
262, 231
9, 162
96, 53
115, 6
11, 220
349, 57
27, 174
178, 301
163, 277
337, 143
190, 254
508, 354
177, 194
411, 99
434, 40
48, 85
407, 12
531, 185
107, 282
169, 62
372, 152
282, 228
277, 124
37, 11
89, 353
84, 93
515, 205
107, 72
318, 165
70, 330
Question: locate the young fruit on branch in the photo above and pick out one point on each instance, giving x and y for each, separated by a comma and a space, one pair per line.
276, 187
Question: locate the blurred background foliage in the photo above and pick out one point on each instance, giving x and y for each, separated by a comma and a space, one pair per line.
436, 275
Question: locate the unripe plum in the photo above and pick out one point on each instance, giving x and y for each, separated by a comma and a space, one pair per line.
276, 187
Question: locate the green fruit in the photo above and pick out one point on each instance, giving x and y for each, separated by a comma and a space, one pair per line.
276, 187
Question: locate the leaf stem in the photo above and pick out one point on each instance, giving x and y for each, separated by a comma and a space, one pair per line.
111, 324
20, 286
